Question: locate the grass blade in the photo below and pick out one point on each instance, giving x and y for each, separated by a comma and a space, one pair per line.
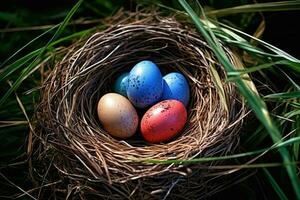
274, 184
292, 141
30, 69
257, 7
8, 70
296, 146
283, 95
218, 83
30, 42
18, 64
247, 46
292, 65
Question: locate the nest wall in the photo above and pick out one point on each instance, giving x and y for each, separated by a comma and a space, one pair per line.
70, 144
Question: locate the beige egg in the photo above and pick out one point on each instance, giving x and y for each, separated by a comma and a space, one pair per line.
117, 115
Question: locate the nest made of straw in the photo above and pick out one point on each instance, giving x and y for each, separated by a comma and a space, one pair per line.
71, 144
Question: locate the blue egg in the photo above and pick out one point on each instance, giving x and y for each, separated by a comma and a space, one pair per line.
121, 83
176, 87
145, 84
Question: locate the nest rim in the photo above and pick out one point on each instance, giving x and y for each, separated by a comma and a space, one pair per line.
64, 120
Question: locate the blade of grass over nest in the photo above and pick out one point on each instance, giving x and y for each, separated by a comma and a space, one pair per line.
236, 61
245, 166
292, 65
296, 66
291, 141
25, 59
230, 32
296, 146
18, 64
26, 45
248, 166
69, 37
257, 7
227, 34
255, 102
230, 35
292, 113
295, 105
48, 26
283, 95
29, 70
219, 85
296, 86
65, 22
249, 70
275, 185
286, 63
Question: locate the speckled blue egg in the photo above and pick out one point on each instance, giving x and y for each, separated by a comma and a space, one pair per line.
145, 84
121, 83
176, 87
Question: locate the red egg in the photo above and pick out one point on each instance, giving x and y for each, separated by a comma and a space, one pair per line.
163, 121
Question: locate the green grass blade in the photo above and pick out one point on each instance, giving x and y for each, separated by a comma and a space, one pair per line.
30, 42
8, 70
292, 141
257, 7
30, 69
218, 83
65, 22
292, 114
250, 69
296, 86
292, 65
295, 105
230, 35
283, 95
274, 184
18, 64
255, 102
278, 52
296, 146
288, 142
69, 37
250, 166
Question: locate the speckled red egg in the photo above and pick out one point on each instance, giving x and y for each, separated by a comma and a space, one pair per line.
163, 121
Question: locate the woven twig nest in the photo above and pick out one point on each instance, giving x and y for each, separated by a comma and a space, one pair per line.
75, 148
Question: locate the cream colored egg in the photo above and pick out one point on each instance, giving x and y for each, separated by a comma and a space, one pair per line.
117, 115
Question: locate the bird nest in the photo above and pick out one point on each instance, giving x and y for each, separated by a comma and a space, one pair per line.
71, 146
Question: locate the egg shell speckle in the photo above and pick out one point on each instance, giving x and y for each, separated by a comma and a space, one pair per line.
117, 115
145, 84
163, 121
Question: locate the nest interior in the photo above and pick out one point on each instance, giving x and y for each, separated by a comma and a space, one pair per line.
70, 141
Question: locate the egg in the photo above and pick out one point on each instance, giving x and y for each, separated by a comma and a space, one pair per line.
121, 83
176, 87
117, 115
145, 84
163, 121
